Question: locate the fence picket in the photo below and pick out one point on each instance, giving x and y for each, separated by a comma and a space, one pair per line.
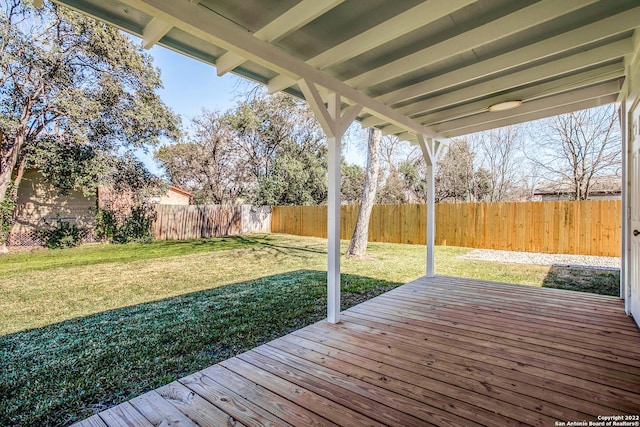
591, 227
196, 221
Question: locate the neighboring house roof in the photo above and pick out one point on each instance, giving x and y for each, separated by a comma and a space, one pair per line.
600, 186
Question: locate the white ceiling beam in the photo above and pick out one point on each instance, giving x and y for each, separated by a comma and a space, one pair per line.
541, 114
513, 23
398, 131
593, 92
570, 83
564, 84
632, 61
577, 38
414, 18
215, 29
293, 19
391, 129
154, 31
405, 136
529, 76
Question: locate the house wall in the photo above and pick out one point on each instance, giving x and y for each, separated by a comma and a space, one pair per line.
39, 204
121, 201
173, 197
630, 120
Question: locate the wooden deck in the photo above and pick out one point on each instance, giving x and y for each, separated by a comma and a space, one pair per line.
442, 351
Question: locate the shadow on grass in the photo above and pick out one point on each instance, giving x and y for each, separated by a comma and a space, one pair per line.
87, 255
61, 373
596, 280
276, 244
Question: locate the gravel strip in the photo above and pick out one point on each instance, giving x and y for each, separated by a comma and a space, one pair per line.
542, 259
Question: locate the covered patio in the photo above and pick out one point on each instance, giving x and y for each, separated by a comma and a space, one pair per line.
423, 71
436, 351
439, 351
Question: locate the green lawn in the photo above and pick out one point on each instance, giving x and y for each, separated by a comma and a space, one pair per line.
86, 328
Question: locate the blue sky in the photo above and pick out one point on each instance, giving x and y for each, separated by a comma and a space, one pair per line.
190, 86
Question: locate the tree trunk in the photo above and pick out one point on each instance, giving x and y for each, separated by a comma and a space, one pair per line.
8, 163
5, 182
358, 245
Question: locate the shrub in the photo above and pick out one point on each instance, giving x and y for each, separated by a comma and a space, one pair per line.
6, 214
135, 227
63, 235
106, 224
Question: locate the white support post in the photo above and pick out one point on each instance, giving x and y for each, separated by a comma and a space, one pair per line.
431, 220
334, 122
333, 232
430, 150
626, 167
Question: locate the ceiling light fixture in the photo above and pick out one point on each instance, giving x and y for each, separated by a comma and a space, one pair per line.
506, 105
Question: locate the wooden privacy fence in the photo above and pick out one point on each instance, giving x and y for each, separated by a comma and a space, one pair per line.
196, 221
591, 227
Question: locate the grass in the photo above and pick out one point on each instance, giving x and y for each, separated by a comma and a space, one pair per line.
86, 328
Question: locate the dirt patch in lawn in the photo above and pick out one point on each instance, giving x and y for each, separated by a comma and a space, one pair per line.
597, 280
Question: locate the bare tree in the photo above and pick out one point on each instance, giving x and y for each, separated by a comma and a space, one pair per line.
393, 186
390, 149
579, 146
211, 164
358, 244
499, 153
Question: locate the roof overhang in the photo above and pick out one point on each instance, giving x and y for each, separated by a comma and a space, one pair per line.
416, 67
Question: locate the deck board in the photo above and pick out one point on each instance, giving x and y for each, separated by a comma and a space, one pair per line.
438, 351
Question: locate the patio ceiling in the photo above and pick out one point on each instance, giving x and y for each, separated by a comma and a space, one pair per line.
416, 67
